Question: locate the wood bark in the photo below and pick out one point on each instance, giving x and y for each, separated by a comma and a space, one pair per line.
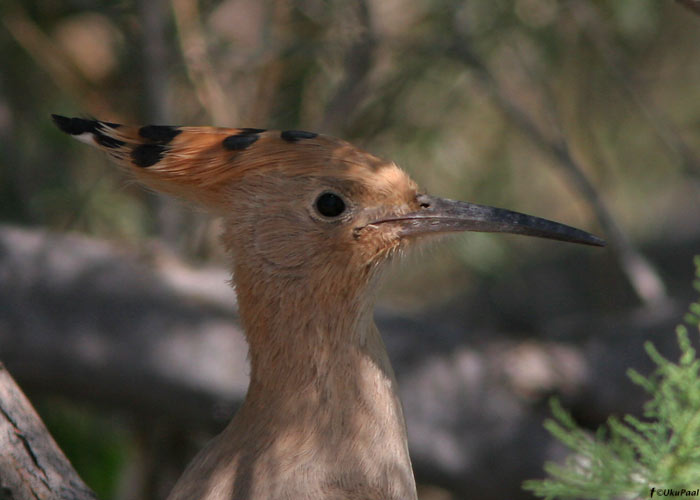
32, 466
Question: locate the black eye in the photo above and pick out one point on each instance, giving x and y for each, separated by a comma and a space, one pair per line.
330, 205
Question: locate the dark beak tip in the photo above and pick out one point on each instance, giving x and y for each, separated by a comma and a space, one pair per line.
444, 215
582, 238
598, 242
585, 238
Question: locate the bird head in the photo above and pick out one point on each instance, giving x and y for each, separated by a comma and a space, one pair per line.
297, 203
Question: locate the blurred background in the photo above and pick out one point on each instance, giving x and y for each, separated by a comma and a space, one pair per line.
114, 313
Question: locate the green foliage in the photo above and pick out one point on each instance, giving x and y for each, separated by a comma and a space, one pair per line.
631, 456
98, 447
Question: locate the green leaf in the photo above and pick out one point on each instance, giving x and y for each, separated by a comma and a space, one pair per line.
628, 456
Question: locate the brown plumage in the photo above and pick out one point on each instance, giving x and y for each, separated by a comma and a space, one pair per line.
309, 221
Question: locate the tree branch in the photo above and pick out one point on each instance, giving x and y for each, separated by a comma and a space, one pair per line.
597, 34
193, 45
358, 64
32, 466
640, 273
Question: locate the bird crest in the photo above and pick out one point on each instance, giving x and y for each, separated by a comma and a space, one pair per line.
198, 162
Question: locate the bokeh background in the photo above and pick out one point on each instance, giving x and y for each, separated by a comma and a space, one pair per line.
582, 111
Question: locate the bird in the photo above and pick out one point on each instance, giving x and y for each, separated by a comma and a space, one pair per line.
309, 224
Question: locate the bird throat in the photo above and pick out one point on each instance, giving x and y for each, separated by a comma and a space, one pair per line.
322, 399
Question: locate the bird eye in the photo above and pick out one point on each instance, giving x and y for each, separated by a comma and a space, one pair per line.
330, 205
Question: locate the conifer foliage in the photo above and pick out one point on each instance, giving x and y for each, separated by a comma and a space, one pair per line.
630, 457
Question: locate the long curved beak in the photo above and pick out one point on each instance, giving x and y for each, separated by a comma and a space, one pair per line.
439, 215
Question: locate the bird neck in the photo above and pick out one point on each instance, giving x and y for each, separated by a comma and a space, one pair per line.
302, 333
321, 381
298, 333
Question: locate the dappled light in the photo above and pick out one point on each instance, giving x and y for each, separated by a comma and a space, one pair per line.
114, 301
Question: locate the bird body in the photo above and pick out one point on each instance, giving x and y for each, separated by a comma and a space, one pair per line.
331, 429
309, 223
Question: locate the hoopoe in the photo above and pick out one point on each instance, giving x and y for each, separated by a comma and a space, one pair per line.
309, 223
